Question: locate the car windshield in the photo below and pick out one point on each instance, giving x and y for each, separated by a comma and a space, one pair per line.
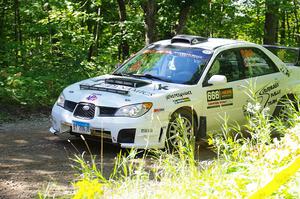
181, 65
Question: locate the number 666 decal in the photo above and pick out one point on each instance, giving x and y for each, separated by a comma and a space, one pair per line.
221, 94
213, 95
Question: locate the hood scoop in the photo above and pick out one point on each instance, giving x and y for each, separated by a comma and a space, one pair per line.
127, 82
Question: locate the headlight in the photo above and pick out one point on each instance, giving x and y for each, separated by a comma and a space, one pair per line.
61, 100
135, 110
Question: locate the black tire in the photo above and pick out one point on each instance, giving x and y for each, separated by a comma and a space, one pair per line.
183, 128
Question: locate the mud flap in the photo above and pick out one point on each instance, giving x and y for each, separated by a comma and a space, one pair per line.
202, 128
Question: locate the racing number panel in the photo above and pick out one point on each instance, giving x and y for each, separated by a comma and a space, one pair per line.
219, 97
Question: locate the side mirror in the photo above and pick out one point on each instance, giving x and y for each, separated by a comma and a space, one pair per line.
217, 80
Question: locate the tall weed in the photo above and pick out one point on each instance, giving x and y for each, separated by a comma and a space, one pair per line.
248, 157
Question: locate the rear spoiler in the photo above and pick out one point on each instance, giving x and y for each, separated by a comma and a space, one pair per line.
289, 55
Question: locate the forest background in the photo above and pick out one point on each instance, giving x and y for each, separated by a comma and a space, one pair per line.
46, 45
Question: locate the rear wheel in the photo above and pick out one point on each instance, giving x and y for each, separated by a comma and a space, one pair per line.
285, 107
181, 128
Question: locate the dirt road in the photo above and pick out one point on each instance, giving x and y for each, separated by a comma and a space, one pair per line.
32, 159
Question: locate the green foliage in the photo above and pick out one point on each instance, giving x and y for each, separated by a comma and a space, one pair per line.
47, 45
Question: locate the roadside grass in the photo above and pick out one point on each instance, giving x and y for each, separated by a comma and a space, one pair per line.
244, 164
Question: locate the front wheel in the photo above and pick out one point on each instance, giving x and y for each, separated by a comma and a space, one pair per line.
181, 129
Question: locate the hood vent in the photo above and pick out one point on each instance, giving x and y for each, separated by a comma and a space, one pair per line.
126, 82
188, 39
98, 88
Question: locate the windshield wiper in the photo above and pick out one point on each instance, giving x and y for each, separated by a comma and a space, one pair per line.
148, 76
121, 74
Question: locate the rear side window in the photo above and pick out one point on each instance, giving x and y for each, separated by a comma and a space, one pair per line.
257, 63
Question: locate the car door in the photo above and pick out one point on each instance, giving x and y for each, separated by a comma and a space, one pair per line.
265, 77
225, 101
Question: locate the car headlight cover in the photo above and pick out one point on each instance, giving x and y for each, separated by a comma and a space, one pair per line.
135, 110
61, 100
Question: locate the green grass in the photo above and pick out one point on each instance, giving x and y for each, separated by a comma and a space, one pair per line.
244, 164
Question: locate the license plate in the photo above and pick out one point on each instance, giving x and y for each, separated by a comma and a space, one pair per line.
81, 127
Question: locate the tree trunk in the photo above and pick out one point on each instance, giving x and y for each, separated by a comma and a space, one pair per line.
282, 28
183, 16
17, 28
288, 25
271, 22
2, 16
123, 47
149, 7
94, 46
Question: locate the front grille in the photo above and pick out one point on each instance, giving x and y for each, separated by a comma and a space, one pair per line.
69, 105
107, 111
85, 111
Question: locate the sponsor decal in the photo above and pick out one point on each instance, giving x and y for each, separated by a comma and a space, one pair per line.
161, 87
177, 95
176, 53
181, 100
97, 94
268, 94
92, 97
143, 92
146, 130
271, 102
207, 52
157, 51
157, 110
284, 70
219, 98
221, 94
217, 104
268, 88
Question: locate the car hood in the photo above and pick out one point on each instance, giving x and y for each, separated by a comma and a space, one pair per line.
115, 91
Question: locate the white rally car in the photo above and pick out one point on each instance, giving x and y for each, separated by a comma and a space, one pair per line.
201, 79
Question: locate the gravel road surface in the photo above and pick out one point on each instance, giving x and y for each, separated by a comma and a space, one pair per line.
32, 159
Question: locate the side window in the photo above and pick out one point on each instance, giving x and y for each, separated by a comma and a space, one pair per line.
257, 63
227, 64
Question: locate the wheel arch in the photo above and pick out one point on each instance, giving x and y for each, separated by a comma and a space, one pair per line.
188, 108
289, 96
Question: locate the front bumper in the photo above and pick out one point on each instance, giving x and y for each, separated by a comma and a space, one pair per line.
147, 131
